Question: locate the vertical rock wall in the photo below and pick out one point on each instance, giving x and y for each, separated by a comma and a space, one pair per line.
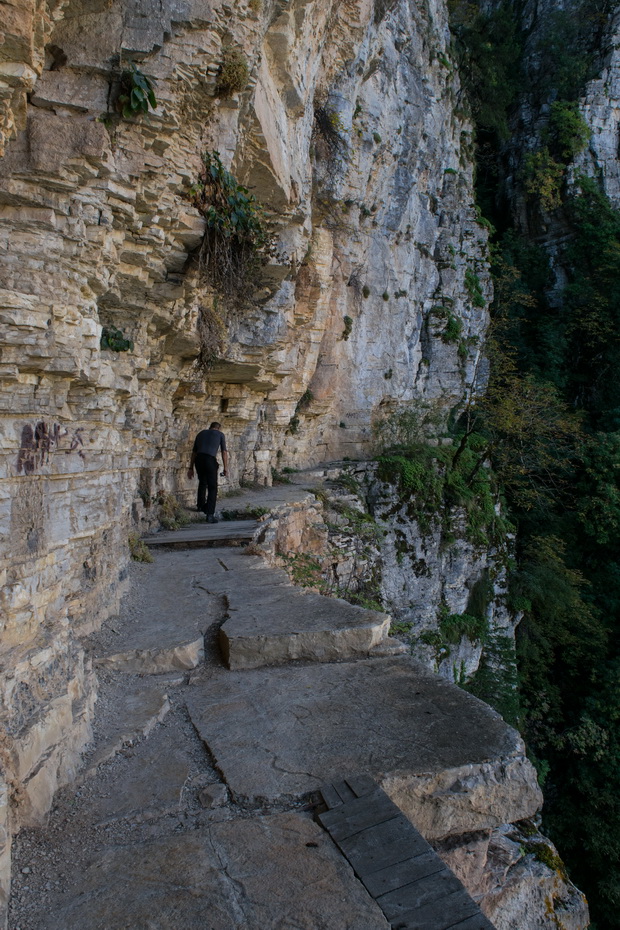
97, 230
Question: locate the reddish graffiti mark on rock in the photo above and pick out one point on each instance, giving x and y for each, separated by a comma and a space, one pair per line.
39, 442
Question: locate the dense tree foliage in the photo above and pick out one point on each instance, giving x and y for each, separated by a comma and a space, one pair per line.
552, 416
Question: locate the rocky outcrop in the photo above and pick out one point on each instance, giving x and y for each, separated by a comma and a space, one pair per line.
356, 538
517, 876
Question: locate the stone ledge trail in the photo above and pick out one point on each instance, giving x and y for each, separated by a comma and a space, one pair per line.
196, 805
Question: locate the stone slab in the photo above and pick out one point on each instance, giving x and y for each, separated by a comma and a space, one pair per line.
279, 624
231, 570
167, 633
146, 784
141, 710
276, 871
449, 762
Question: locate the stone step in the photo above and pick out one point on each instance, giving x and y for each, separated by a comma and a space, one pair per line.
270, 621
138, 707
278, 624
205, 535
167, 633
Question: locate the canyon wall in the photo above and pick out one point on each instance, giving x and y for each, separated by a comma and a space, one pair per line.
98, 230
375, 297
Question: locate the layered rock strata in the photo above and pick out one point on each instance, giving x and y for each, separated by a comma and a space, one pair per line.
97, 231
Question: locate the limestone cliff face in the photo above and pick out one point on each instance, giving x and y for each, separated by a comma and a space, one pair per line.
97, 230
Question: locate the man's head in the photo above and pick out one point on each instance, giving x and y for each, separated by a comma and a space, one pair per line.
215, 425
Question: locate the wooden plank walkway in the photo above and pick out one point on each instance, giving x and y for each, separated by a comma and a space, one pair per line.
400, 870
204, 535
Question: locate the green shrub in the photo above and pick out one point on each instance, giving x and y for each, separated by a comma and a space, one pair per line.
454, 627
172, 513
400, 626
138, 549
568, 131
472, 285
137, 93
306, 570
234, 72
114, 340
348, 326
304, 401
453, 330
543, 178
496, 681
278, 477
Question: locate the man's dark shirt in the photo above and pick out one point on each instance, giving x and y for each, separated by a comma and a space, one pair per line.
209, 441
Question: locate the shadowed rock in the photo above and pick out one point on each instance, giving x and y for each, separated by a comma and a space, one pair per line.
449, 761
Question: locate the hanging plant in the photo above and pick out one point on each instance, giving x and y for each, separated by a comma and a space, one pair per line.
238, 240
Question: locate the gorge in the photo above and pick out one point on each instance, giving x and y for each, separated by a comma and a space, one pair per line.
367, 148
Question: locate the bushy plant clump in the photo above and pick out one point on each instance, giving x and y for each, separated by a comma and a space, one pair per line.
454, 627
239, 239
234, 72
137, 93
328, 131
172, 513
114, 340
436, 486
138, 549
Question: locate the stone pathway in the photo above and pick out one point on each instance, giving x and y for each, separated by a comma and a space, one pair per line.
196, 809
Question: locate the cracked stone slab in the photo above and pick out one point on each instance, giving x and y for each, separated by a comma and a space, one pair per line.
445, 758
276, 871
146, 784
168, 633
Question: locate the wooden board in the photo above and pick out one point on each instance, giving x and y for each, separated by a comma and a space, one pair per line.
442, 914
400, 870
409, 870
420, 893
202, 535
360, 813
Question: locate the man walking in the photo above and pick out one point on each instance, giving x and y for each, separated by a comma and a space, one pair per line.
204, 456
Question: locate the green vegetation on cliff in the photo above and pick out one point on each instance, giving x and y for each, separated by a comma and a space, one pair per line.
561, 335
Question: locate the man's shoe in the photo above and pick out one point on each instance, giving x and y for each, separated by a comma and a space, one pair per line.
212, 519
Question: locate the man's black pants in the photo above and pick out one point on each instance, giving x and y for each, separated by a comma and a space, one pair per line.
207, 469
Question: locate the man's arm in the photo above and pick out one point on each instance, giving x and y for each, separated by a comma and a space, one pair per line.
190, 470
225, 461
